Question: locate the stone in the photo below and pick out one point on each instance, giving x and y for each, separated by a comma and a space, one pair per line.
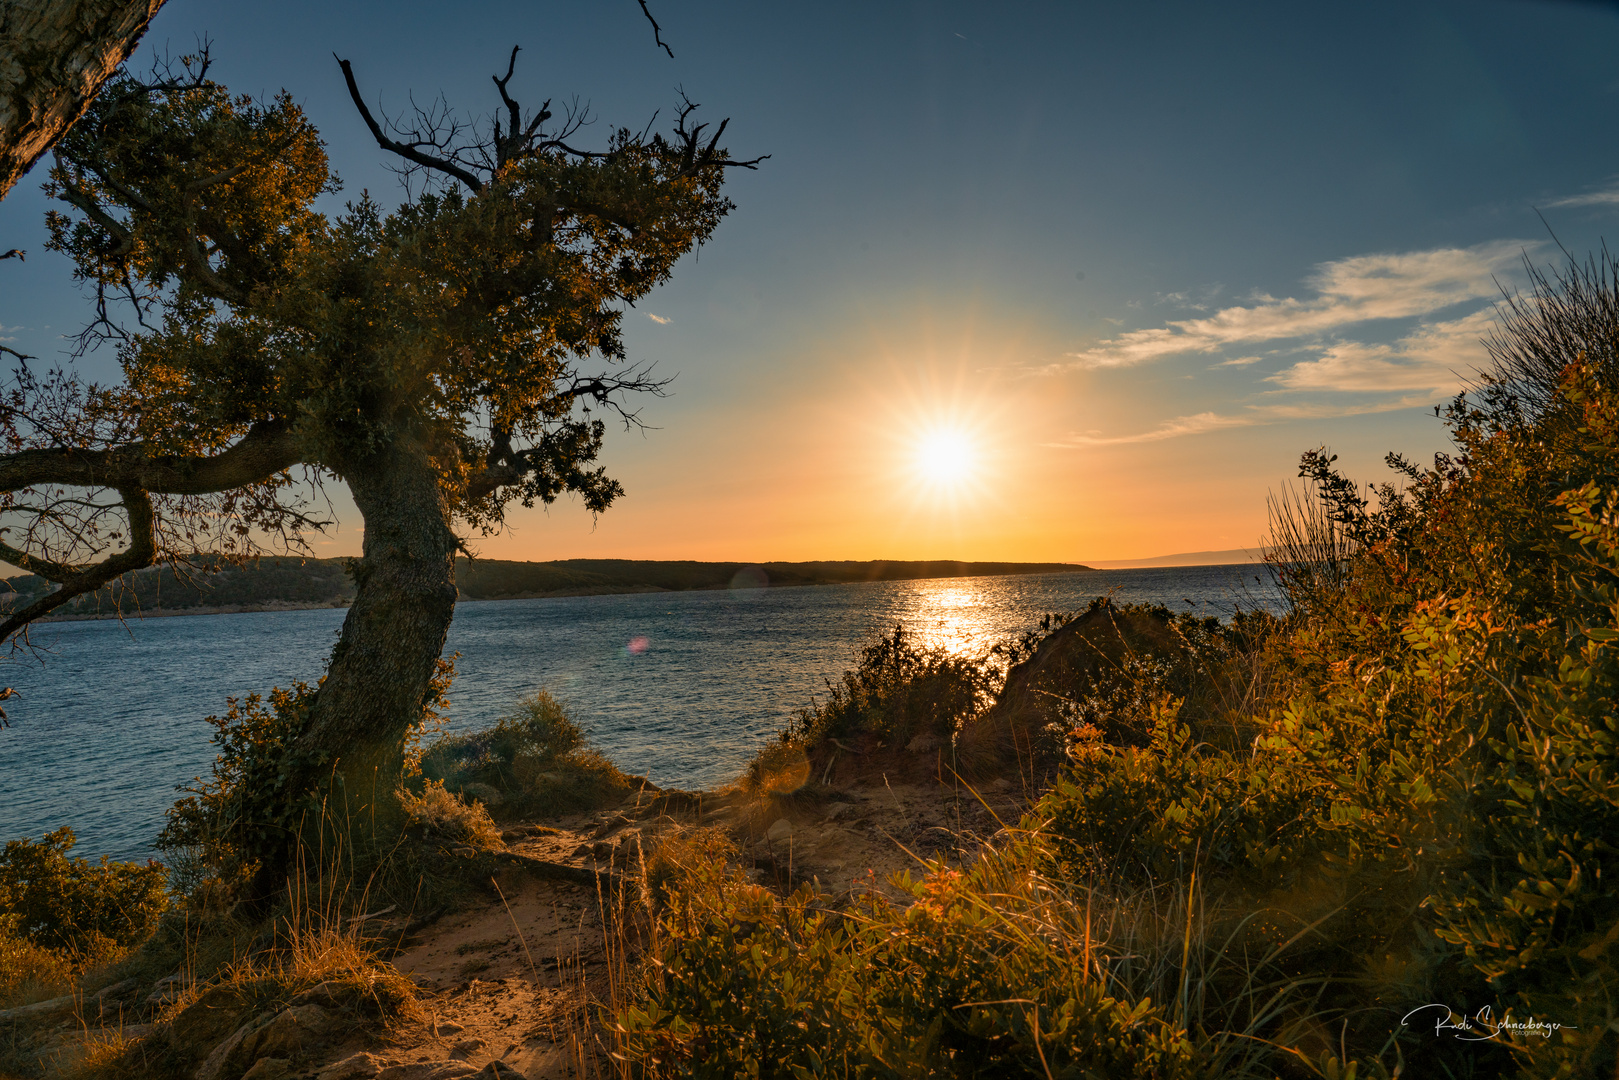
448, 1027
467, 1047
282, 1035
428, 1070
289, 1030
330, 994
781, 831
837, 810
924, 743
498, 1070
1001, 783
269, 1068
37, 1009
484, 793
354, 1067
215, 1014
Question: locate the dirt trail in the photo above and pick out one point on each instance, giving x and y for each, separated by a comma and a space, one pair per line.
501, 979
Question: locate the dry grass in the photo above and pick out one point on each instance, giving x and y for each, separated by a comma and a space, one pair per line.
29, 972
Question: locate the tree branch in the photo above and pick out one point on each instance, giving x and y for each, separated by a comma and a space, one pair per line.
75, 581
655, 30
264, 451
409, 153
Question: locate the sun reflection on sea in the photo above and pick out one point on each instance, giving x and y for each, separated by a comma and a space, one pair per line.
949, 614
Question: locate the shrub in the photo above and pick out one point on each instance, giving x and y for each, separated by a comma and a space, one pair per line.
897, 691
246, 816
532, 761
70, 904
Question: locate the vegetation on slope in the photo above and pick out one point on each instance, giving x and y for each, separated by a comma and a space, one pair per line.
1391, 811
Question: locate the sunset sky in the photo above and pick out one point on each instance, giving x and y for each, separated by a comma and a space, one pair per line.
1069, 282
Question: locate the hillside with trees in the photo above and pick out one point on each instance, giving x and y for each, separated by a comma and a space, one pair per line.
281, 582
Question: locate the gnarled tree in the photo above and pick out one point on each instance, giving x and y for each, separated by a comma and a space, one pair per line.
442, 360
54, 56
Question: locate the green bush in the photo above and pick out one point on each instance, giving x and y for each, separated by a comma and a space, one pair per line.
533, 761
897, 691
246, 816
60, 902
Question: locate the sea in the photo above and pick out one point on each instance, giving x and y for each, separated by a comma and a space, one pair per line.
680, 686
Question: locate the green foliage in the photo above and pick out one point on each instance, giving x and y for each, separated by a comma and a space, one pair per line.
996, 971
251, 809
532, 761
1406, 792
897, 691
64, 903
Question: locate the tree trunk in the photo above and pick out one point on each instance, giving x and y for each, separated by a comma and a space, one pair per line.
384, 662
54, 56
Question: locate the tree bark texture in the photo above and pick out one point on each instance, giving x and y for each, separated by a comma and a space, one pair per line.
54, 56
384, 661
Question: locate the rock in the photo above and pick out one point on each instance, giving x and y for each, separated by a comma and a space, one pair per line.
782, 830
269, 1069
37, 1009
282, 1035
483, 793
215, 1013
428, 1070
1001, 783
355, 1067
498, 1070
924, 743
289, 1030
168, 989
449, 1027
837, 810
581, 851
330, 994
467, 1047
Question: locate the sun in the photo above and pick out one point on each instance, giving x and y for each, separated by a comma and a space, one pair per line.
946, 457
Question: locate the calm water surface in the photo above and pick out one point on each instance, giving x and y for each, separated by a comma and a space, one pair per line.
681, 686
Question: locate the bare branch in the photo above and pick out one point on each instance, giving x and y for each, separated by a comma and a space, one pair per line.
77, 580
16, 253
656, 36
408, 152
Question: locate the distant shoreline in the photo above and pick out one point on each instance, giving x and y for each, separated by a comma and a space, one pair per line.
624, 589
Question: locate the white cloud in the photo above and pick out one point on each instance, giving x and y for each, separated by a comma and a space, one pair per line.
1252, 416
1347, 292
1438, 358
659, 319
1608, 197
1241, 361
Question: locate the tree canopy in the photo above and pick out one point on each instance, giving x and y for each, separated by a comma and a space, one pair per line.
442, 359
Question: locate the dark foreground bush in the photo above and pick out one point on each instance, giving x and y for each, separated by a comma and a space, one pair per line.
534, 761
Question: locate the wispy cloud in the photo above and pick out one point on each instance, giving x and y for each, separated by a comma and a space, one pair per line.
1438, 358
1252, 416
1346, 292
1607, 197
659, 319
1241, 361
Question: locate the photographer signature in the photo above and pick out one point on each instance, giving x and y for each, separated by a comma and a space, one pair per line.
1482, 1025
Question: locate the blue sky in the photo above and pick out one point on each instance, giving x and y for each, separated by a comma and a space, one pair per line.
1131, 259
